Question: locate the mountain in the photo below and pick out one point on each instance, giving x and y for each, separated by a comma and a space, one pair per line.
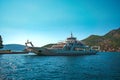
107, 42
13, 47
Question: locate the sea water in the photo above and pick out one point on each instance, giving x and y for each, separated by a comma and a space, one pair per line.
102, 66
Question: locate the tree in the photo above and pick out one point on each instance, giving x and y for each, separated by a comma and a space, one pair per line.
1, 45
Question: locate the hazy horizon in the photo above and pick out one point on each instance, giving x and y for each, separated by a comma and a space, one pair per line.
50, 21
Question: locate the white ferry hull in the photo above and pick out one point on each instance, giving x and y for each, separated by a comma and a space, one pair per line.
48, 52
64, 54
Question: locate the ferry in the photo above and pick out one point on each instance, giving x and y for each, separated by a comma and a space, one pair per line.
70, 47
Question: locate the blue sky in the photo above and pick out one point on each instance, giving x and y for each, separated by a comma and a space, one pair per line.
50, 21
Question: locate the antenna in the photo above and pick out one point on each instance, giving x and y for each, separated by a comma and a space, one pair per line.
71, 34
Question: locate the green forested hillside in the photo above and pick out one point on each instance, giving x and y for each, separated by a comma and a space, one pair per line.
108, 42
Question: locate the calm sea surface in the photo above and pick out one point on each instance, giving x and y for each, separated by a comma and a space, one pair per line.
103, 66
